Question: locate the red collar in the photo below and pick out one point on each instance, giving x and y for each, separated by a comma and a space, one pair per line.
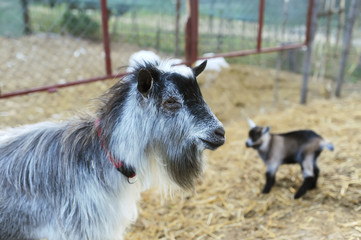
127, 171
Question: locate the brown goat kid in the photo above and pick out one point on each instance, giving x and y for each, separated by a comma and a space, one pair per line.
302, 147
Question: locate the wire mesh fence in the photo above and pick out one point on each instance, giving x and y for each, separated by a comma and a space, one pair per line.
46, 42
54, 42
233, 25
156, 24
50, 46
329, 40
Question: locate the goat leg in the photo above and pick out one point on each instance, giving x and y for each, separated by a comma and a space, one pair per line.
270, 181
307, 183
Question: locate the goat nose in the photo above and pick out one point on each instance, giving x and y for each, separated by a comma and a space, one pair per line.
220, 132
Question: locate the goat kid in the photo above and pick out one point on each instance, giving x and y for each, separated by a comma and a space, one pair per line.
71, 180
302, 147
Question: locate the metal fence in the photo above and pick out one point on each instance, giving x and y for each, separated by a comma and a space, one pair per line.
234, 29
48, 44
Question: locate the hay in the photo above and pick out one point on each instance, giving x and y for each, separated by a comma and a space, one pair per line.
228, 203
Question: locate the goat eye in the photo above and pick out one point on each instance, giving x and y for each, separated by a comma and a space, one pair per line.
170, 101
172, 104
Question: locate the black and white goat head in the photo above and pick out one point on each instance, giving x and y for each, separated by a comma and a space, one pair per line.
72, 180
302, 147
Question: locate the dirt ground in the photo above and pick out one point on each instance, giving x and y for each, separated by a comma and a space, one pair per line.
227, 203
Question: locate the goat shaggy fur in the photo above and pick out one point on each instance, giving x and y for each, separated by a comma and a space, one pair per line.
57, 181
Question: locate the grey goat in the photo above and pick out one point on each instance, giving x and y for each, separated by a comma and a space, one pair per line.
76, 179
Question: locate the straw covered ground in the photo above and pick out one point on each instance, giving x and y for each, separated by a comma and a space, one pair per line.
227, 203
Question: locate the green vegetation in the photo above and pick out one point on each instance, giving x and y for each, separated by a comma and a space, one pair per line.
80, 24
45, 19
61, 20
11, 18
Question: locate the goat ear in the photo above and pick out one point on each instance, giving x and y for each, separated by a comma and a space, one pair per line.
198, 69
265, 130
145, 82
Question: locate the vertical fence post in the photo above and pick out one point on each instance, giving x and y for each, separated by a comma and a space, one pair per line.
106, 39
352, 15
177, 18
309, 21
310, 35
26, 18
192, 33
260, 24
340, 22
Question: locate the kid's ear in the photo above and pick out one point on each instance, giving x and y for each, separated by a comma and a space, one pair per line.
198, 69
145, 82
265, 130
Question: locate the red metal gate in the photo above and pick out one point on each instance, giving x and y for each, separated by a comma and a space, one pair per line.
107, 60
191, 45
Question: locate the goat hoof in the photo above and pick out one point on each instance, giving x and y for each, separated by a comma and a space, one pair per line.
298, 195
266, 191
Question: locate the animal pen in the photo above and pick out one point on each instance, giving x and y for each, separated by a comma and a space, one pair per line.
194, 26
50, 54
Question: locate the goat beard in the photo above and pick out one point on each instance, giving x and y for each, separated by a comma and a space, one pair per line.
185, 164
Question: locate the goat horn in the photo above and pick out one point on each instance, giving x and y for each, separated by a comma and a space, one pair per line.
251, 123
